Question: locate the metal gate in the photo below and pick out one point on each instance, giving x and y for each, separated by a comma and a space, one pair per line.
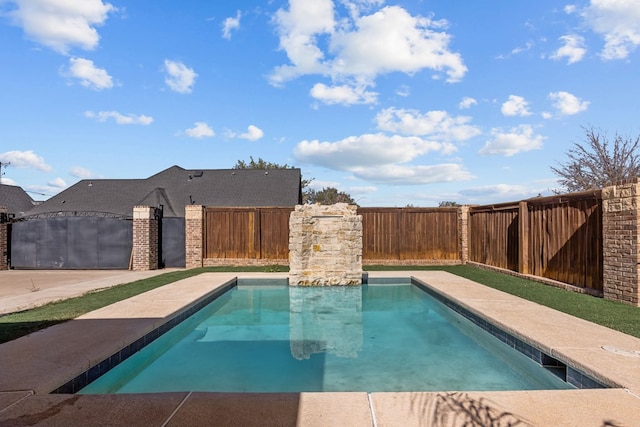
71, 243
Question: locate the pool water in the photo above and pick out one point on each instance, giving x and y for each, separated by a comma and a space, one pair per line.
276, 338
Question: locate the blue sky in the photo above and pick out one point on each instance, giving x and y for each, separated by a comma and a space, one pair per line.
393, 102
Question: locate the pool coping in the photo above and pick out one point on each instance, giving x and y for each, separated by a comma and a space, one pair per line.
36, 366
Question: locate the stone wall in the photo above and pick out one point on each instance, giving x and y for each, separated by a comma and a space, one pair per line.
4, 239
325, 245
621, 244
145, 238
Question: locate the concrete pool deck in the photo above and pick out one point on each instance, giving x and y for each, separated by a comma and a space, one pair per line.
33, 366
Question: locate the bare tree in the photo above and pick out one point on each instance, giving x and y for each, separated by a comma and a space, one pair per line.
598, 163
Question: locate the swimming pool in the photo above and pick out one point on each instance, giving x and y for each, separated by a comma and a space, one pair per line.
273, 338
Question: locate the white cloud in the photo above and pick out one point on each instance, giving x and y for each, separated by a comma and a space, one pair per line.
515, 106
8, 181
567, 103
180, 78
618, 21
80, 172
570, 8
369, 150
57, 183
403, 91
518, 139
121, 119
343, 94
434, 124
61, 24
317, 41
414, 175
230, 24
528, 46
89, 75
200, 130
253, 133
467, 102
25, 159
497, 192
402, 42
573, 49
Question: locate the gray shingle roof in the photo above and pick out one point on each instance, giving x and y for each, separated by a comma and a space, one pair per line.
176, 187
15, 199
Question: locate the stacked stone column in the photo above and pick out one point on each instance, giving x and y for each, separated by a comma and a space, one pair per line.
621, 242
325, 245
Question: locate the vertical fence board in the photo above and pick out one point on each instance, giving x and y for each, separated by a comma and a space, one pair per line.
564, 240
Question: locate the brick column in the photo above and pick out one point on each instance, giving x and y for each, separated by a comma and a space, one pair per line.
463, 233
194, 235
4, 239
145, 238
621, 242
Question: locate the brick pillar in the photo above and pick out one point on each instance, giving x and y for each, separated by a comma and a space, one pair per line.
194, 235
145, 238
463, 233
4, 239
621, 242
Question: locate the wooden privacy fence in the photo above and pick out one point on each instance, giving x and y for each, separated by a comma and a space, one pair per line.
558, 238
247, 233
390, 235
402, 234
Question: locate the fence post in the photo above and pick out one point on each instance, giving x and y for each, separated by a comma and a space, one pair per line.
4, 239
463, 233
620, 242
194, 235
145, 238
523, 237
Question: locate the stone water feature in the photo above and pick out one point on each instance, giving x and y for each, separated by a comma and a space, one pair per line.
325, 245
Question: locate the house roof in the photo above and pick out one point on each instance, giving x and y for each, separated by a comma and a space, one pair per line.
15, 199
174, 188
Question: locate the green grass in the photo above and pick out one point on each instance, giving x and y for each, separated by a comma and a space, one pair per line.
621, 317
22, 323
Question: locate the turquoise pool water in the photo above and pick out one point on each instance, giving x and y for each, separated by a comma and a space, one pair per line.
266, 338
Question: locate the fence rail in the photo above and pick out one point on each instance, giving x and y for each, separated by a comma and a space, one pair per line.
398, 234
250, 233
558, 237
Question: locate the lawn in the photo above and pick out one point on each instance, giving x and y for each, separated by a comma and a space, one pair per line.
614, 315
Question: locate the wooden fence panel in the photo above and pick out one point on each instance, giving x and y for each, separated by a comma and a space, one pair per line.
391, 234
274, 233
565, 242
493, 236
247, 233
230, 233
562, 241
380, 236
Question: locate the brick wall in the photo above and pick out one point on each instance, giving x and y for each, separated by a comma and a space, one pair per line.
194, 235
4, 240
621, 245
463, 233
145, 238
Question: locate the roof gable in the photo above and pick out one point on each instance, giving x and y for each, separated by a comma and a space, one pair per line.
175, 187
15, 199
